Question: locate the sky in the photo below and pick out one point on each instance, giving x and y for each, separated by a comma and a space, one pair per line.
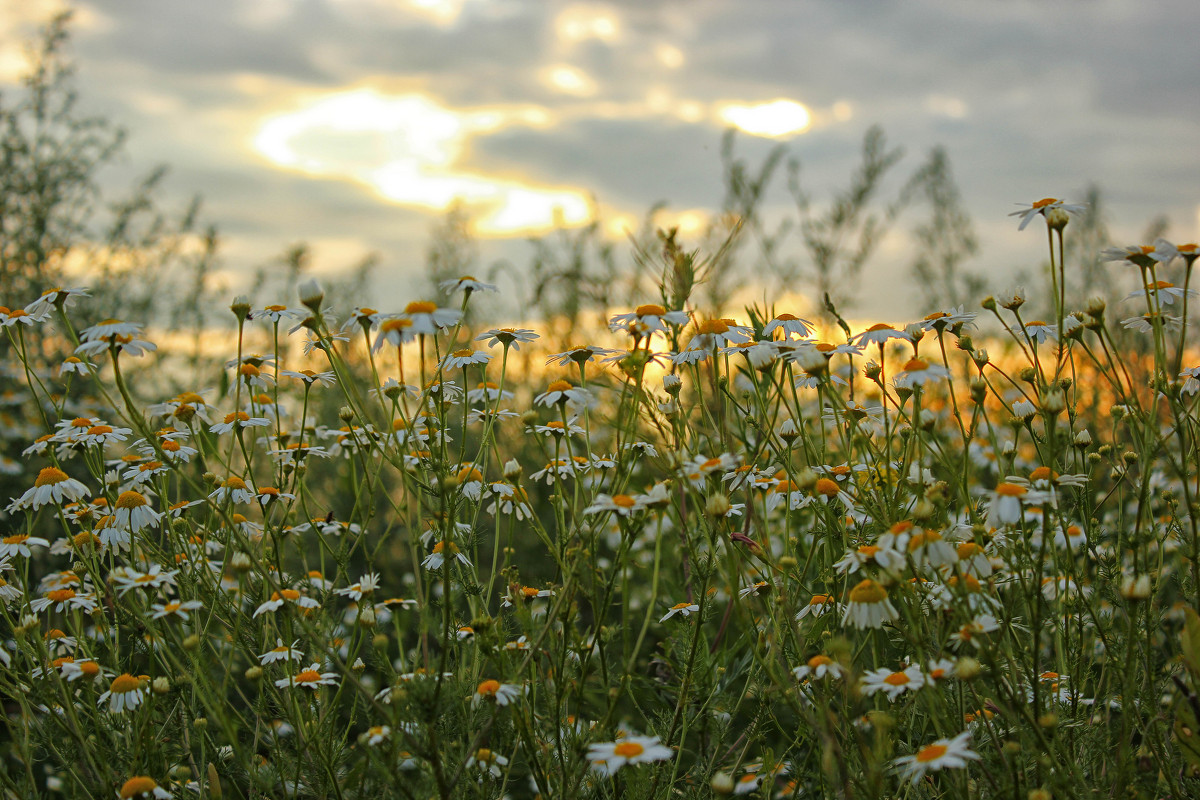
353, 125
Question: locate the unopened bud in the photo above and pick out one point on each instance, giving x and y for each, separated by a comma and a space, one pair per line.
160, 685
312, 295
512, 470
240, 307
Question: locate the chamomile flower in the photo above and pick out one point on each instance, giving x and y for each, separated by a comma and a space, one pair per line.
790, 324
233, 489
310, 678
52, 487
608, 757
1164, 292
487, 761
125, 693
1047, 205
18, 544
581, 354
493, 691
622, 505
444, 550
240, 420
466, 284
819, 667
1040, 332
142, 787
879, 334
646, 320
56, 297
281, 652
175, 608
684, 609
132, 511
868, 606
941, 754
817, 606
466, 357
893, 683
1143, 256
562, 392
508, 337
918, 372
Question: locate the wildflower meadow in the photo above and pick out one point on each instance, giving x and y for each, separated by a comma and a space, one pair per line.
292, 546
386, 553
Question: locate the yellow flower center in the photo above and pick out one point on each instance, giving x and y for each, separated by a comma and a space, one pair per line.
710, 326
420, 307
1010, 490
827, 487
868, 591
234, 482
896, 679
137, 785
650, 310
390, 325
916, 365
308, 676
931, 752
558, 386
124, 683
820, 661
623, 500
880, 326
488, 688
628, 750
1045, 201
16, 538
131, 500
49, 476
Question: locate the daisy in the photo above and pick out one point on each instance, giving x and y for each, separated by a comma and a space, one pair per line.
1191, 380
461, 359
608, 757
441, 551
868, 606
240, 420
466, 284
685, 609
1039, 331
1164, 291
717, 333
892, 683
1143, 256
56, 297
942, 754
879, 334
487, 761
366, 585
1145, 323
790, 325
125, 692
428, 319
918, 372
233, 489
620, 504
10, 317
281, 652
152, 578
51, 487
140, 787
309, 678
562, 392
75, 366
581, 354
818, 667
133, 512
493, 691
1046, 204
277, 600
941, 320
115, 334
1005, 508
509, 337
557, 429
276, 313
646, 320
817, 606
18, 545
175, 608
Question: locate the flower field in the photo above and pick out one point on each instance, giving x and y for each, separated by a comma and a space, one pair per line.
390, 553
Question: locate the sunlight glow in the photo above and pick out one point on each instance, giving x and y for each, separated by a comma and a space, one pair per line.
569, 80
775, 119
409, 149
580, 22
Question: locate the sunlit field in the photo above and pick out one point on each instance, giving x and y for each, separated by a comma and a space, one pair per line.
658, 549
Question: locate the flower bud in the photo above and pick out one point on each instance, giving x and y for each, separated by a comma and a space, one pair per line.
672, 384
722, 783
967, 668
1056, 218
718, 506
240, 307
254, 673
1054, 401
512, 470
160, 685
312, 295
1136, 588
